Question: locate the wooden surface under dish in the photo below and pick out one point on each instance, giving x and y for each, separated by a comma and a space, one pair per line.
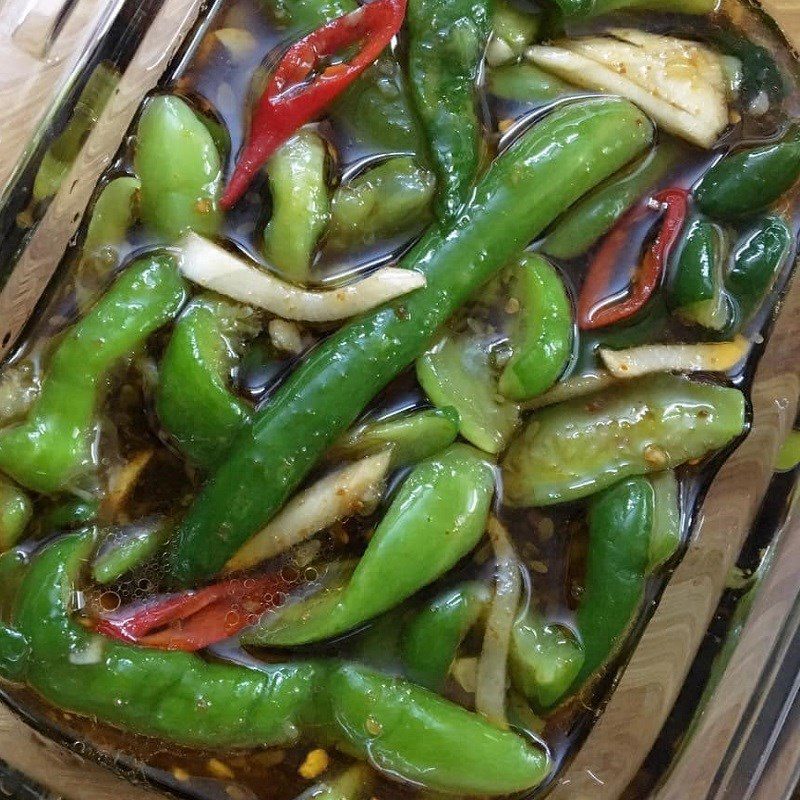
625, 732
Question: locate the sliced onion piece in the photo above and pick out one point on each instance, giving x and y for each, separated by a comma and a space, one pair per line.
490, 692
574, 386
340, 494
706, 357
213, 267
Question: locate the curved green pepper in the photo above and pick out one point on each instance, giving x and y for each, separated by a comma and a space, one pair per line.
542, 328
179, 167
620, 525
456, 372
392, 198
16, 511
432, 637
68, 514
526, 83
446, 42
300, 204
594, 216
128, 548
193, 401
512, 31
570, 151
544, 660
404, 730
437, 517
579, 447
412, 437
758, 257
52, 448
666, 535
697, 294
748, 181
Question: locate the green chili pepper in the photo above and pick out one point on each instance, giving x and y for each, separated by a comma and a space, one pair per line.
570, 151
115, 210
376, 109
16, 511
665, 538
581, 446
69, 514
526, 83
391, 198
697, 293
404, 730
14, 653
760, 73
300, 205
544, 660
52, 448
128, 548
13, 565
412, 437
789, 455
758, 257
437, 517
592, 8
620, 525
446, 42
432, 637
748, 181
541, 334
65, 148
179, 167
193, 401
594, 216
512, 31
456, 372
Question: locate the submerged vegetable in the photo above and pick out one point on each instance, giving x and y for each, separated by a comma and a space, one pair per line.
512, 31
456, 373
665, 537
179, 167
592, 139
526, 83
437, 517
128, 548
748, 181
445, 46
300, 205
590, 8
421, 737
391, 198
409, 437
620, 529
16, 511
576, 448
51, 450
193, 400
541, 333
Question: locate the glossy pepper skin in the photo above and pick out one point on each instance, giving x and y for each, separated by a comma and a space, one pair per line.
392, 198
52, 448
757, 260
696, 292
748, 181
16, 511
181, 698
581, 144
300, 204
194, 402
431, 638
437, 517
579, 447
594, 216
179, 167
541, 330
445, 47
620, 526
376, 109
593, 8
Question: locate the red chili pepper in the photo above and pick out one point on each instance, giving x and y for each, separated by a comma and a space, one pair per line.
595, 308
291, 99
196, 618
